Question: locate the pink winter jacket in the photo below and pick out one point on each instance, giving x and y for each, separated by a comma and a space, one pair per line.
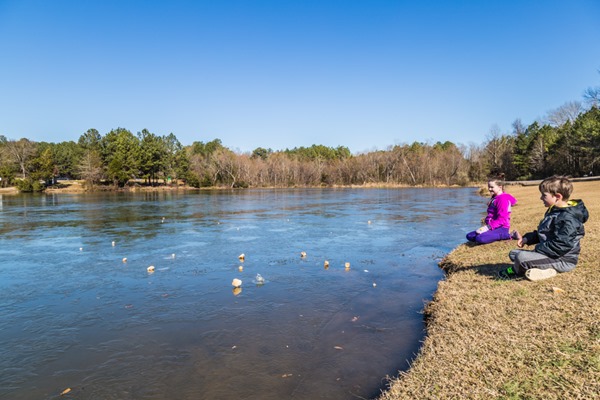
498, 211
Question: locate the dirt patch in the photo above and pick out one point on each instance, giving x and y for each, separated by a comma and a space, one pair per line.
9, 190
67, 187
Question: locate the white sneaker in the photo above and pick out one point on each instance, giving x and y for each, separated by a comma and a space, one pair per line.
536, 274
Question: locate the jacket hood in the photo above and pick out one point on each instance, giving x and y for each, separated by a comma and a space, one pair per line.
507, 196
577, 209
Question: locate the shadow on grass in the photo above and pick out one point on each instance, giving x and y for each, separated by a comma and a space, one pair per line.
490, 270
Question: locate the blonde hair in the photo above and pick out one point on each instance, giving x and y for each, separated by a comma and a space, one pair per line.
557, 184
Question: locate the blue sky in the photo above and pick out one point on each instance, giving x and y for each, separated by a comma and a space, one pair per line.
281, 74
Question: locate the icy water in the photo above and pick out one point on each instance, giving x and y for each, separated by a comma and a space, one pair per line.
75, 315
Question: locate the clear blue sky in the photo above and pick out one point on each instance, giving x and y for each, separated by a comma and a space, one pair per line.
280, 74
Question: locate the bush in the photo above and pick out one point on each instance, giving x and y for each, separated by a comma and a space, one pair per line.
29, 185
241, 185
193, 181
38, 186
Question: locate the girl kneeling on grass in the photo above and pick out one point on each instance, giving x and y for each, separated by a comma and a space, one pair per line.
497, 221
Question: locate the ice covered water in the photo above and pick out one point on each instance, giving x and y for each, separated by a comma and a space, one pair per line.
74, 314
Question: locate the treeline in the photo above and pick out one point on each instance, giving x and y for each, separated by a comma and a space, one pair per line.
570, 146
568, 143
119, 158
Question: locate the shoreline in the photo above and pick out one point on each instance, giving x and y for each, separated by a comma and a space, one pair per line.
491, 339
77, 187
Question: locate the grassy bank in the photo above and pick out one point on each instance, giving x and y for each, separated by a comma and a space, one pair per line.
491, 339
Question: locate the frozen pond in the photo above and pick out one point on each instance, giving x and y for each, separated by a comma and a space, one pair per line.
74, 314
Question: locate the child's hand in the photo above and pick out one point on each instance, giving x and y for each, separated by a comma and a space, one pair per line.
518, 237
482, 229
520, 241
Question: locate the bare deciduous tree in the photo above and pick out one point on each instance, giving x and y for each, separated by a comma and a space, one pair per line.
568, 112
20, 152
592, 95
90, 167
497, 146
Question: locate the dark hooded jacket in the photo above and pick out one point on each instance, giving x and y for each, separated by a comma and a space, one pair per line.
560, 231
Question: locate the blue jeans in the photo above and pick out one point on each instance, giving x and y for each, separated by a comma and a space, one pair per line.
489, 236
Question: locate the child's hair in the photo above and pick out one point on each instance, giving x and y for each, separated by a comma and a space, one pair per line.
557, 184
497, 179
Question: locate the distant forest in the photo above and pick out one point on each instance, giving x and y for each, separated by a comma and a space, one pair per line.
567, 142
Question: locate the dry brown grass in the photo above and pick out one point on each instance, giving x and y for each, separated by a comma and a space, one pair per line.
491, 339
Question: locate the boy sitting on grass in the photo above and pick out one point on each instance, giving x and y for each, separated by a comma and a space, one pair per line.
557, 237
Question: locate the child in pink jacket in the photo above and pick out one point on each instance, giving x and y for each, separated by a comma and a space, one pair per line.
497, 221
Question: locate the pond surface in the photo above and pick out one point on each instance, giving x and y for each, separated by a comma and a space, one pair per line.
74, 314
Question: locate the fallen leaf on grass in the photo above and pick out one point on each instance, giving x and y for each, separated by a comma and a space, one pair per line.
67, 390
557, 289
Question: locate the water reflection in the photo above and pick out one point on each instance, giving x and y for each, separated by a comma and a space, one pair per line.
96, 321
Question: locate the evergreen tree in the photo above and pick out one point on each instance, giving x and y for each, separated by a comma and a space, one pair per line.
120, 153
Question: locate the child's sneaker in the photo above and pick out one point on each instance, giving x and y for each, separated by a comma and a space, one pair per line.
508, 273
536, 274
